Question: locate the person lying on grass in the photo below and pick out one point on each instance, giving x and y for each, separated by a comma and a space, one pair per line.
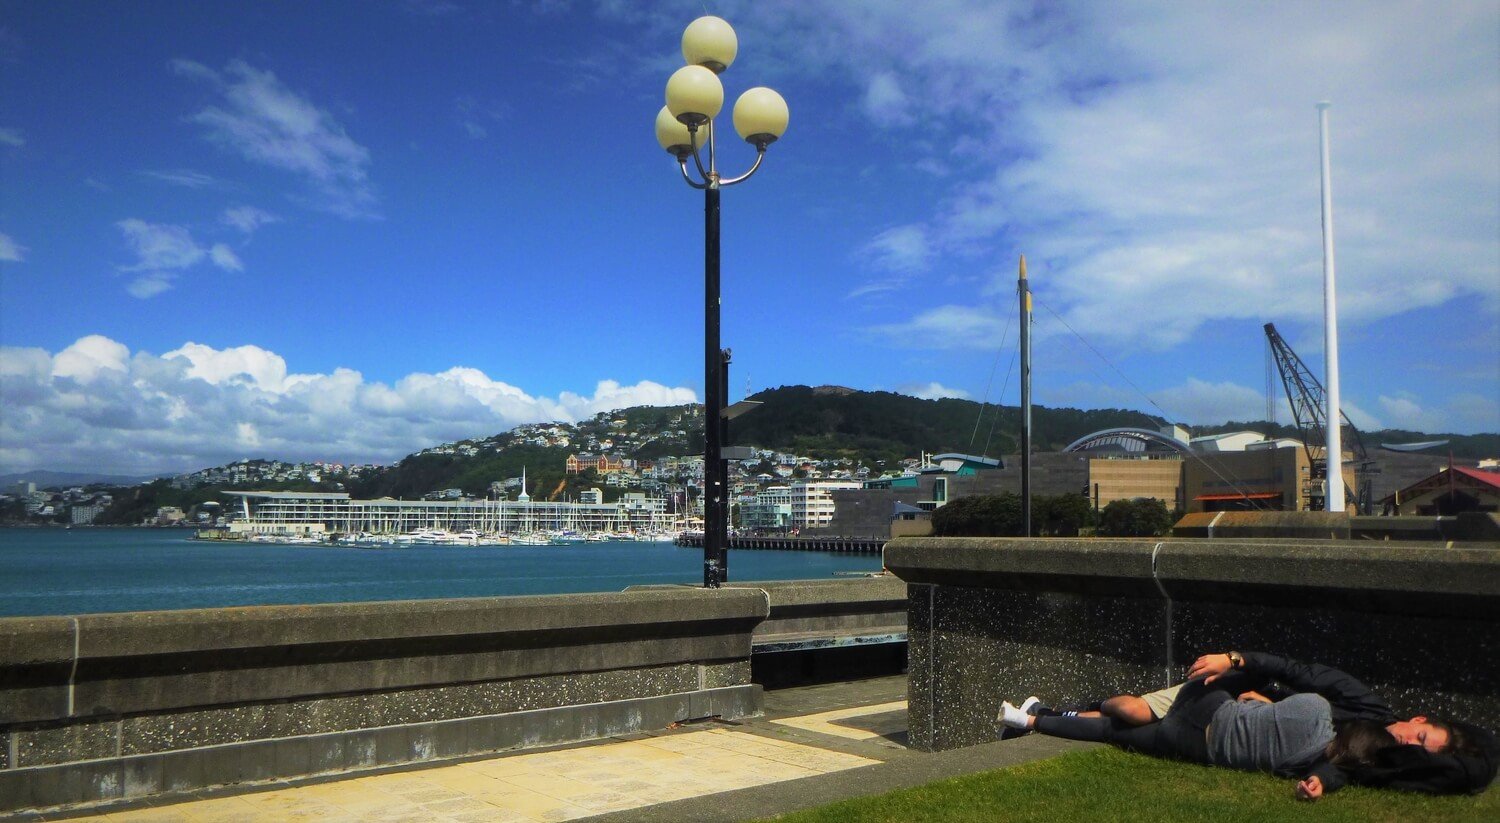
1331, 730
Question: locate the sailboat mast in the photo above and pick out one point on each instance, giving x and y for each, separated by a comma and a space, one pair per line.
1023, 293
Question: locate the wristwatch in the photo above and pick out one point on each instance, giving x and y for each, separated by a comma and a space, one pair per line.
1236, 660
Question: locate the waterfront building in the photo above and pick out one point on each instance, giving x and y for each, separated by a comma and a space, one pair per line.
769, 510
265, 512
1451, 491
84, 513
812, 501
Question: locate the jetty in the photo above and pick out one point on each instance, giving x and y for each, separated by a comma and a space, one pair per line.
852, 545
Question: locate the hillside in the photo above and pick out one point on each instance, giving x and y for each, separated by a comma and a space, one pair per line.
874, 429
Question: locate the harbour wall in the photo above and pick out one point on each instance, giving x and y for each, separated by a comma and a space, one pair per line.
1071, 621
104, 707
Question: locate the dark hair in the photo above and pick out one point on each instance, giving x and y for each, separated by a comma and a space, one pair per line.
1466, 765
1357, 743
1458, 741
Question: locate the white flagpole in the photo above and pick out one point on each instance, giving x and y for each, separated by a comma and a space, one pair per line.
1334, 454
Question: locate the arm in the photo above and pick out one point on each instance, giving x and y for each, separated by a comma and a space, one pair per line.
1323, 778
1346, 694
1342, 690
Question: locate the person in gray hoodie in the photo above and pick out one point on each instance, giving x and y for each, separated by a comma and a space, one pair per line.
1330, 729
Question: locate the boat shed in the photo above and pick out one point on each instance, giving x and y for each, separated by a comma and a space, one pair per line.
1453, 490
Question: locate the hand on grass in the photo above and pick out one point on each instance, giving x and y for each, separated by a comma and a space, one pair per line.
1310, 789
1210, 667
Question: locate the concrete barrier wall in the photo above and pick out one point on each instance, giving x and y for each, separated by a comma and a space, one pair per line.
1077, 620
97, 707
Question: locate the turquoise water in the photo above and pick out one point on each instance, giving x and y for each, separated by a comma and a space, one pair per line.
82, 571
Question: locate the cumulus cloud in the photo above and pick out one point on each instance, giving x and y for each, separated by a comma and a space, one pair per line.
932, 391
263, 121
163, 251
97, 406
12, 138
10, 250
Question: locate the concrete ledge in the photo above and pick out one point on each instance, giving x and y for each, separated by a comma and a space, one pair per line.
828, 608
156, 661
125, 778
1074, 620
101, 706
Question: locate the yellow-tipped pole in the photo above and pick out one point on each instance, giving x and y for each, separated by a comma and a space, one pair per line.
1023, 291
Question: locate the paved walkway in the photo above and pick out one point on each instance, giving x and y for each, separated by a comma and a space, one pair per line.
815, 745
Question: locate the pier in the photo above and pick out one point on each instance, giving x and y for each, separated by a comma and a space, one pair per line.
853, 545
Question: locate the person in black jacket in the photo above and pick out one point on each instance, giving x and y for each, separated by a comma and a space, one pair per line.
1330, 730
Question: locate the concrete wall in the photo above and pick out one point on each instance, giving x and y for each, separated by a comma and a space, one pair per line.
824, 630
1077, 620
98, 707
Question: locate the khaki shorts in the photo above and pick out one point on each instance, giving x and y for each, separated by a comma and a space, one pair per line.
1161, 700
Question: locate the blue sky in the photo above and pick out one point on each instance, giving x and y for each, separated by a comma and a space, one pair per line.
349, 230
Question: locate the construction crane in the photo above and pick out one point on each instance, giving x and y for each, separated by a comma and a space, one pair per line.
1306, 397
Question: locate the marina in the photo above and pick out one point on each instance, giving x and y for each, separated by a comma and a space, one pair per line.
303, 517
90, 570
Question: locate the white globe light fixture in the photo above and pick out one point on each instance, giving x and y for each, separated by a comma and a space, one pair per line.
710, 42
694, 95
760, 116
684, 127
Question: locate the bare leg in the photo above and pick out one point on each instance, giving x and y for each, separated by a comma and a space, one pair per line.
1128, 709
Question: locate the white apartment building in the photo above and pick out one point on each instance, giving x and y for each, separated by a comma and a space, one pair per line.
812, 501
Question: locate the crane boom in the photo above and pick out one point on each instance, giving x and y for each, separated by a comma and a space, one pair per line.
1306, 397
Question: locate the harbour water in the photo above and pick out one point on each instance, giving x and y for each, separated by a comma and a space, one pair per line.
83, 571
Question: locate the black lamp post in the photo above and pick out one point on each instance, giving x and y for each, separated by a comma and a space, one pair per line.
684, 127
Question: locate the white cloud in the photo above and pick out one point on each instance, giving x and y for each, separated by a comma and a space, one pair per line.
1159, 154
160, 246
225, 258
163, 251
884, 100
12, 137
187, 178
1203, 402
247, 218
476, 118
10, 250
900, 252
265, 122
945, 327
88, 357
1461, 412
932, 391
97, 406
150, 284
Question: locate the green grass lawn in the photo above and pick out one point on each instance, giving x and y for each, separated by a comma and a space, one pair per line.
1108, 784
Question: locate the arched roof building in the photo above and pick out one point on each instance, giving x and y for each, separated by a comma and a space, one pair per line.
1129, 440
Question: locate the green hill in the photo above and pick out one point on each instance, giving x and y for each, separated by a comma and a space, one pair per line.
876, 429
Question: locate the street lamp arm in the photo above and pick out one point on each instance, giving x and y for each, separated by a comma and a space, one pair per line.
682, 164
697, 156
759, 156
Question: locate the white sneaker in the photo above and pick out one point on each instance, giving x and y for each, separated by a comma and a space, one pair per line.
1013, 718
1030, 703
